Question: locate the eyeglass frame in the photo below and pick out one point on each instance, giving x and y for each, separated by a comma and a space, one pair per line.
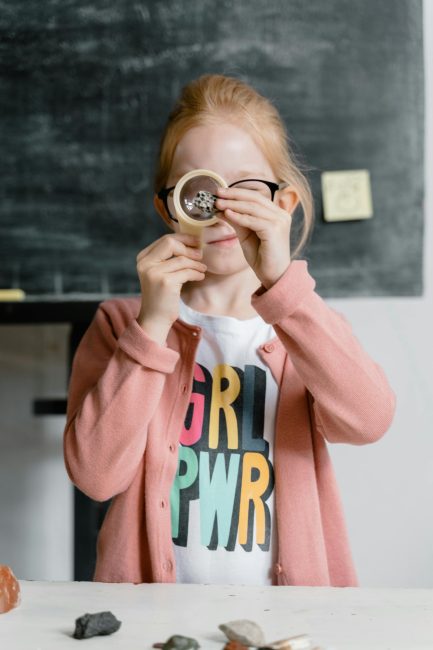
274, 187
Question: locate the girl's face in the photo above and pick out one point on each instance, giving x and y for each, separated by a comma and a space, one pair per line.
231, 152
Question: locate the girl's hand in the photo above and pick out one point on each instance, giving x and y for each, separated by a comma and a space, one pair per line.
163, 267
263, 229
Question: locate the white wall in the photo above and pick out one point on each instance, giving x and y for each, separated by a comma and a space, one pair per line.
35, 492
387, 487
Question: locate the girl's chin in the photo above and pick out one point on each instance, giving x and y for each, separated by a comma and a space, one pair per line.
225, 264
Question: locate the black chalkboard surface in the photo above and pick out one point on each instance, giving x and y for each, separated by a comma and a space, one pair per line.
85, 89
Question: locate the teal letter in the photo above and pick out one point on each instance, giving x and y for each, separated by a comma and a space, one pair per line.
217, 495
181, 482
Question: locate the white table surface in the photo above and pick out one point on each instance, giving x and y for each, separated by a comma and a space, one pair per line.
335, 618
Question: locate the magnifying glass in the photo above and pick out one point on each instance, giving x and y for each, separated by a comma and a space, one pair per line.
194, 199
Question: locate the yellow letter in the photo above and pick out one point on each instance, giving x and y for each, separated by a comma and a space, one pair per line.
223, 400
253, 491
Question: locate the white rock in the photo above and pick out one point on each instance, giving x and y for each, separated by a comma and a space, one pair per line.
246, 632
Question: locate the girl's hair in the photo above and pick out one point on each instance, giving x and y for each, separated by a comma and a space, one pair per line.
212, 97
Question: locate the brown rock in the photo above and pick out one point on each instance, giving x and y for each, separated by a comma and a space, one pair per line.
235, 645
10, 595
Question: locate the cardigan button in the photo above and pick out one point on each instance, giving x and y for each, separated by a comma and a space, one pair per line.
278, 569
168, 565
268, 347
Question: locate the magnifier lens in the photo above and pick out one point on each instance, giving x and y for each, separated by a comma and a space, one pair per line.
197, 197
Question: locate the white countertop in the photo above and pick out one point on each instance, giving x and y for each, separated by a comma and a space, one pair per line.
334, 618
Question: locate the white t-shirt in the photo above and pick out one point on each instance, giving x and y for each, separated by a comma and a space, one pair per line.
222, 498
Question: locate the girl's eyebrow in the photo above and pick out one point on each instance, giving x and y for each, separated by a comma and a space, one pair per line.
249, 174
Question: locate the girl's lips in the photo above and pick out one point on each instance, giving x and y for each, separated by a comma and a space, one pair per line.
227, 241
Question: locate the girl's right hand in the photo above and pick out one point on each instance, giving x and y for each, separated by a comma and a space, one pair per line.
163, 267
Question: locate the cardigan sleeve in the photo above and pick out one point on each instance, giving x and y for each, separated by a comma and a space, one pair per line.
352, 399
115, 387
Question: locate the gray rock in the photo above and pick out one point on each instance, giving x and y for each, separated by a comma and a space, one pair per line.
179, 642
99, 624
246, 632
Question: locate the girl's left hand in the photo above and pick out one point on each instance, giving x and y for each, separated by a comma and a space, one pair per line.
263, 229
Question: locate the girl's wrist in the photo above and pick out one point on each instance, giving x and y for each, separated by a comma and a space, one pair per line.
269, 282
156, 331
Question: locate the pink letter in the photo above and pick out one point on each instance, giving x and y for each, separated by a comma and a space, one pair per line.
191, 435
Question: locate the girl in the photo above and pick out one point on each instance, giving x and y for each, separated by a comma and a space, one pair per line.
202, 408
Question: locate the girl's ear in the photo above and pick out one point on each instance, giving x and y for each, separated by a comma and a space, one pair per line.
288, 199
160, 208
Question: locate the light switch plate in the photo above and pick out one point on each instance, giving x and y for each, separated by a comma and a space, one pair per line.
347, 195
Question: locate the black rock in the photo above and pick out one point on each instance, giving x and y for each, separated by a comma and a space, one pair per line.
98, 624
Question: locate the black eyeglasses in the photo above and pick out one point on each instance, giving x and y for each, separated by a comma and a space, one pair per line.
267, 188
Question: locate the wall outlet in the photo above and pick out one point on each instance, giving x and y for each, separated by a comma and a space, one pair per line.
347, 195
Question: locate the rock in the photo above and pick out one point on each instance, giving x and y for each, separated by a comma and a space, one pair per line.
99, 624
246, 632
178, 642
205, 201
10, 594
235, 645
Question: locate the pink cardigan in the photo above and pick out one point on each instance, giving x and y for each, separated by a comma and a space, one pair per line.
128, 399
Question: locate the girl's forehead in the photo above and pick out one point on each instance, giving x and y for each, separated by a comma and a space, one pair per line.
222, 145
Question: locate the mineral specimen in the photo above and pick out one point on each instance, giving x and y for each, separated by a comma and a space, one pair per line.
235, 645
98, 624
205, 201
246, 632
10, 595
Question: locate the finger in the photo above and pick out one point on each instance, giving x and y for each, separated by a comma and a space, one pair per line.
247, 207
178, 244
187, 239
246, 221
188, 275
172, 239
170, 245
181, 262
156, 258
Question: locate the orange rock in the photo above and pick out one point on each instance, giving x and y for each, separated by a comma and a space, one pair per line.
10, 595
235, 645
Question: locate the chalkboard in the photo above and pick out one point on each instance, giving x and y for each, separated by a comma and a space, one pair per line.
86, 87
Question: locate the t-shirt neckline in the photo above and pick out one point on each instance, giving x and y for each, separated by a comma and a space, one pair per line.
218, 318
